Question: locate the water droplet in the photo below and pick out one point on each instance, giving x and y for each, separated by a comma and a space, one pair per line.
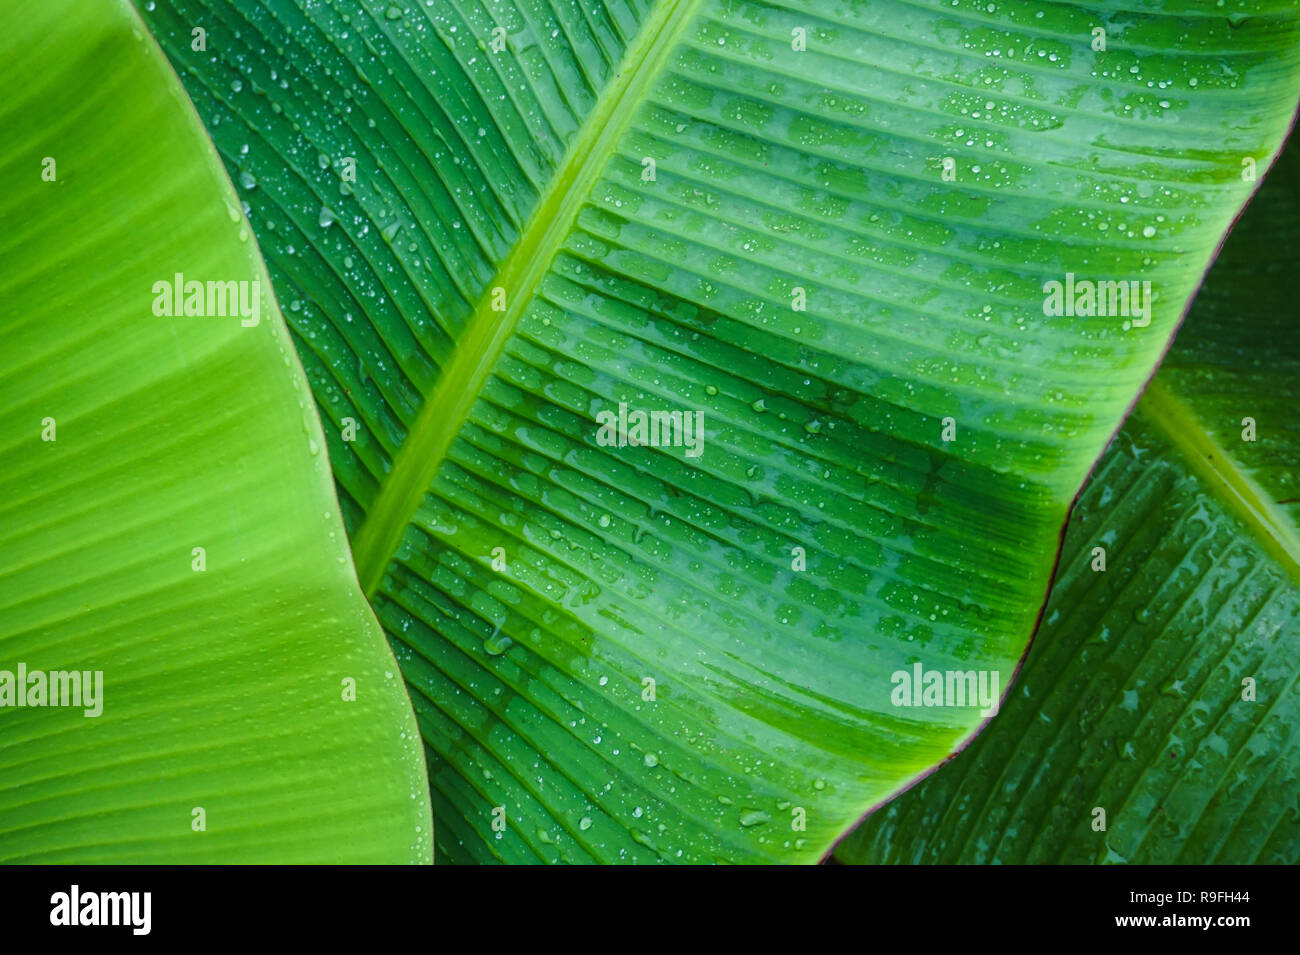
497, 644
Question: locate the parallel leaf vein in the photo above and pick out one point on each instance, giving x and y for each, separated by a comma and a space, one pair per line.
448, 405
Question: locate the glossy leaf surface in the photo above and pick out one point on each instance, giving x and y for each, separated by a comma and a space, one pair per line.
1166, 689
493, 223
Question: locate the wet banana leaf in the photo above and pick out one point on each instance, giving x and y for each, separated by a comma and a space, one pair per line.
692, 369
1156, 720
188, 669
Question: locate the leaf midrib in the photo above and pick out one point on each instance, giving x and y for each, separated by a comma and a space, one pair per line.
446, 407
1240, 493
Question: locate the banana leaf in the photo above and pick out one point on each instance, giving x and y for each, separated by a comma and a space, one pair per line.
188, 668
1163, 688
836, 239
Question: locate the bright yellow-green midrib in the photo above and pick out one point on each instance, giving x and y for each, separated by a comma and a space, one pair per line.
1211, 461
445, 409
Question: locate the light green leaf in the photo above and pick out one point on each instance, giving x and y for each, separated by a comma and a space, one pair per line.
533, 579
1166, 689
130, 442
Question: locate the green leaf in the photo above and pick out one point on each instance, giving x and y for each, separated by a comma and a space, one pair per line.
131, 439
531, 578
1166, 690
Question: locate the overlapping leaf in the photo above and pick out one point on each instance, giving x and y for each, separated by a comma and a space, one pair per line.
166, 514
1163, 688
744, 210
